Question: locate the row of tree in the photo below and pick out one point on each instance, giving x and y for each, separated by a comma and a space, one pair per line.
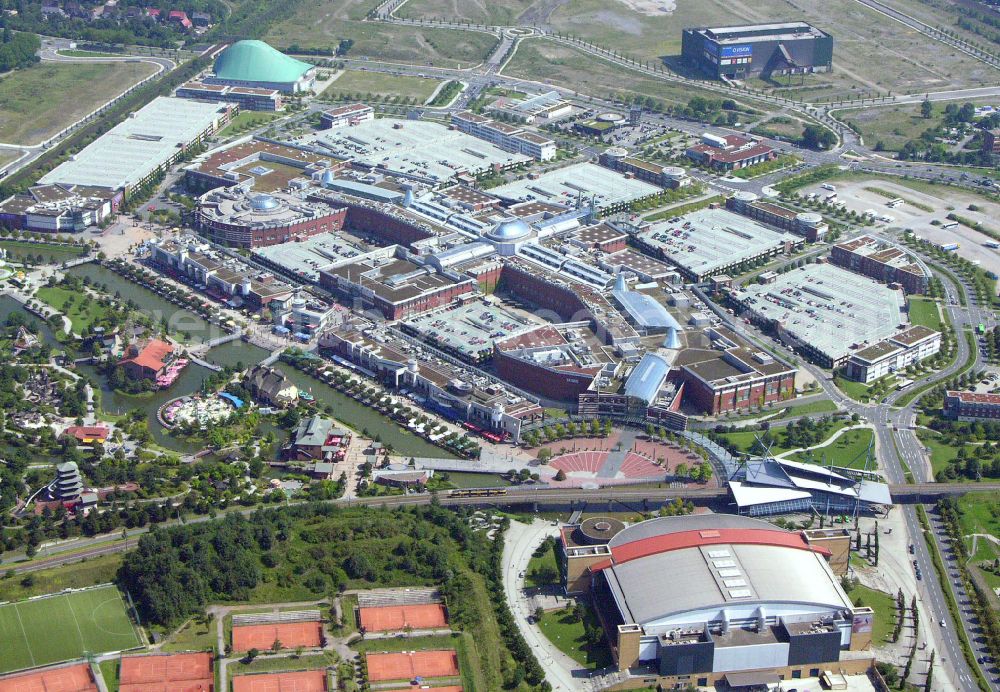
18, 50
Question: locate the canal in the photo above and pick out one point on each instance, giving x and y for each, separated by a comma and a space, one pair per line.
361, 417
181, 323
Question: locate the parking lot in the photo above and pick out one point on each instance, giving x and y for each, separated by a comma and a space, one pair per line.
860, 196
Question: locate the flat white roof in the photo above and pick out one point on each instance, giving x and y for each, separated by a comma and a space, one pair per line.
415, 147
581, 180
135, 147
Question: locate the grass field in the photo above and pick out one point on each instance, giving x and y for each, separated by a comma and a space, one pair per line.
83, 311
17, 249
894, 125
109, 670
871, 53
885, 611
548, 559
63, 627
925, 311
568, 635
247, 120
847, 450
941, 454
40, 100
194, 636
95, 570
551, 62
370, 84
323, 25
746, 440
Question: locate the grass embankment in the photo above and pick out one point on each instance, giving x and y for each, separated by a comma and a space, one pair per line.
89, 572
568, 633
196, 635
884, 606
848, 450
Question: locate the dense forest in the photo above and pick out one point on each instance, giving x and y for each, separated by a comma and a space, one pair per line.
318, 550
18, 50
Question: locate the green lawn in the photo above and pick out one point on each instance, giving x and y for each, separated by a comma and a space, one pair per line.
63, 627
859, 391
83, 311
109, 669
246, 121
924, 311
89, 572
885, 611
532, 575
941, 453
746, 440
74, 53
38, 101
18, 249
568, 636
377, 85
194, 636
813, 407
848, 450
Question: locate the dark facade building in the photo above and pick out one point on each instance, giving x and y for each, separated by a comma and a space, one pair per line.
738, 52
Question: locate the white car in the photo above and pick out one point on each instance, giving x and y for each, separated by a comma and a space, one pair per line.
943, 623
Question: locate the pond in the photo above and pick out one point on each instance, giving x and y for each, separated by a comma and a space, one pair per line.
361, 417
183, 324
9, 305
190, 381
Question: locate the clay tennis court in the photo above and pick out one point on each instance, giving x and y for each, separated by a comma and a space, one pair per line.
414, 664
290, 634
302, 681
393, 618
169, 673
68, 679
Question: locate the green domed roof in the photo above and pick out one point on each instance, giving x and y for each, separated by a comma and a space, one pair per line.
255, 61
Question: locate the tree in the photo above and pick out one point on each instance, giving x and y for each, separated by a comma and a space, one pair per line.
818, 137
926, 109
560, 475
252, 654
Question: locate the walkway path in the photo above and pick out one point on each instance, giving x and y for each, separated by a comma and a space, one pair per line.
825, 443
562, 672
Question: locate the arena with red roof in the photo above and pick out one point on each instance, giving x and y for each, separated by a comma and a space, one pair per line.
713, 594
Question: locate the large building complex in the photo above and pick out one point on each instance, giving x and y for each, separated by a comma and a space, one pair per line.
59, 208
745, 603
144, 144
255, 219
881, 261
738, 52
579, 183
257, 65
507, 137
713, 241
805, 223
417, 149
824, 311
247, 98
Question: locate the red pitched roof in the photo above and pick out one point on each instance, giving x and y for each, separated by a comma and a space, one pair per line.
690, 539
88, 432
151, 355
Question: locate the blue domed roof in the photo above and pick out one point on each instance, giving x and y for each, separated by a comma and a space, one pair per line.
510, 229
263, 203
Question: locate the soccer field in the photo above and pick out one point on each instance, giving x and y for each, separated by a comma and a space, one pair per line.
64, 626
